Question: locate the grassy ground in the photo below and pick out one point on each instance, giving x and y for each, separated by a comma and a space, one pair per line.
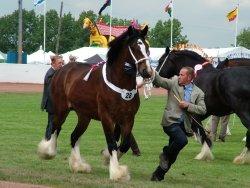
23, 124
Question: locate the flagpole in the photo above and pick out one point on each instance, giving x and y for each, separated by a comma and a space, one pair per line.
44, 29
236, 25
110, 21
171, 27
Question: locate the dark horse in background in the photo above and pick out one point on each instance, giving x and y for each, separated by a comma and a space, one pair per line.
233, 63
226, 91
109, 95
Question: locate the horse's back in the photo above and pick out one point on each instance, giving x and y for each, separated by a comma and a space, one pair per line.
68, 84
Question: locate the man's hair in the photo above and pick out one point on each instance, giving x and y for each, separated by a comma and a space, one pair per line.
190, 71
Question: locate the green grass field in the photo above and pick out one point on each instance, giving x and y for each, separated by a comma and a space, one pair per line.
22, 128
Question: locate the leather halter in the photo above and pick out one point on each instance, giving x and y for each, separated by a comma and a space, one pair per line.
125, 94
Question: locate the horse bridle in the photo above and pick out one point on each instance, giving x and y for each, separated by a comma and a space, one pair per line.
163, 63
137, 61
125, 94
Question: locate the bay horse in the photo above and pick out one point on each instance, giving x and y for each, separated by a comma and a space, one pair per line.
109, 95
233, 63
226, 91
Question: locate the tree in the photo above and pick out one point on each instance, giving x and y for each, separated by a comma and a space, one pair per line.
160, 35
244, 38
9, 32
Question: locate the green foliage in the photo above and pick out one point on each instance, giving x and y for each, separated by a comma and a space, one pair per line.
72, 34
23, 125
244, 38
9, 32
160, 35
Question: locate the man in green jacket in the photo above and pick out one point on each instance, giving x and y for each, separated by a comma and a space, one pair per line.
184, 98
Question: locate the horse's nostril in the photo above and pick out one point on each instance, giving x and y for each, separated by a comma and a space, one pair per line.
145, 74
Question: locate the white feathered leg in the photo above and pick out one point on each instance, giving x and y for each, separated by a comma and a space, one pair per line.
205, 153
76, 162
47, 148
117, 172
106, 156
243, 158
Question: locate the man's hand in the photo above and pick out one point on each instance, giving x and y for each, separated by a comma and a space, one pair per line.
183, 104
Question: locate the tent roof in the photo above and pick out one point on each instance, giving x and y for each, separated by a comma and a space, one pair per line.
39, 57
231, 52
2, 55
116, 30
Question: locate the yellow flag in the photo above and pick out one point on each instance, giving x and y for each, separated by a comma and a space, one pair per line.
232, 15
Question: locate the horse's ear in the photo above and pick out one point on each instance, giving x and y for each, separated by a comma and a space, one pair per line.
144, 31
167, 50
226, 61
131, 30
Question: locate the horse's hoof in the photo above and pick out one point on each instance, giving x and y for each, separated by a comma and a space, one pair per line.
82, 168
243, 158
120, 173
205, 154
46, 149
105, 156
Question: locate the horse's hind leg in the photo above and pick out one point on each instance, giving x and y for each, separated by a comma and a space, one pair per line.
76, 162
244, 157
202, 137
47, 147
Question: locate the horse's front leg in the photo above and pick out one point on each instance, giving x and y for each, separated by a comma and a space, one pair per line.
116, 171
202, 137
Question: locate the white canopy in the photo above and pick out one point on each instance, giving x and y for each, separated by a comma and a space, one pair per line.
231, 52
39, 57
86, 52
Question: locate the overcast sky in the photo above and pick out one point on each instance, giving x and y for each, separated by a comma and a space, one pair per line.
204, 21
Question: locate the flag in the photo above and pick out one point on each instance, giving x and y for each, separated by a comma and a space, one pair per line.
232, 15
107, 3
38, 2
168, 8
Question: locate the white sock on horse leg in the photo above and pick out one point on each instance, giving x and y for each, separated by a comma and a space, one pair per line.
205, 153
76, 162
47, 148
117, 172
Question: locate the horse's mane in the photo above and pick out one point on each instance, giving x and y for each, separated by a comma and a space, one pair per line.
116, 45
190, 54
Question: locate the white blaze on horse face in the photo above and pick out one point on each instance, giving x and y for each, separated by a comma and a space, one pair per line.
144, 52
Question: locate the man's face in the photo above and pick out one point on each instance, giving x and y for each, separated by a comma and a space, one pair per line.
184, 78
57, 63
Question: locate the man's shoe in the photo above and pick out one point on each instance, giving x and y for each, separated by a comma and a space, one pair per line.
158, 174
137, 153
154, 177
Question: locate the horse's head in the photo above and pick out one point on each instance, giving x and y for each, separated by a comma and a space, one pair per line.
132, 51
86, 23
166, 66
171, 62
